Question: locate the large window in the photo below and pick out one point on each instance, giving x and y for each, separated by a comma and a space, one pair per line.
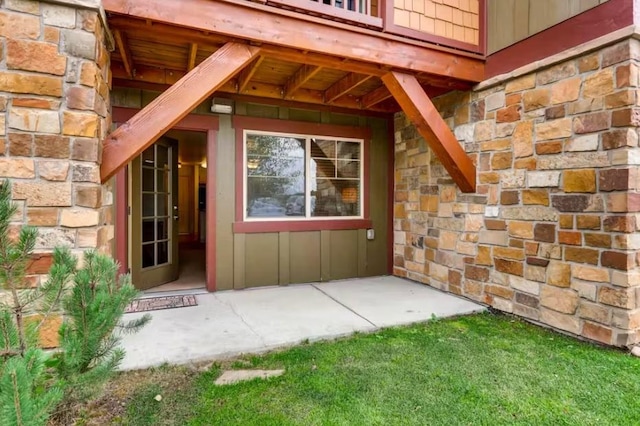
289, 176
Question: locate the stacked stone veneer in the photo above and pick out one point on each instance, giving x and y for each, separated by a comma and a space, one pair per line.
552, 232
54, 112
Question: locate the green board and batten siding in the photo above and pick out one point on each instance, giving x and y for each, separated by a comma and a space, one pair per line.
280, 258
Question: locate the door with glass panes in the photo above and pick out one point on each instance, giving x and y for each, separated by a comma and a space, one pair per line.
154, 215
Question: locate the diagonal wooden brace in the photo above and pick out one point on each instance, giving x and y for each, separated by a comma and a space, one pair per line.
144, 128
416, 104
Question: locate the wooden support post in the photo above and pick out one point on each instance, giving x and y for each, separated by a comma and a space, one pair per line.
419, 108
171, 106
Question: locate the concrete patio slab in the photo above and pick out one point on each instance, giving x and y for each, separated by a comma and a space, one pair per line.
389, 301
286, 315
177, 336
231, 323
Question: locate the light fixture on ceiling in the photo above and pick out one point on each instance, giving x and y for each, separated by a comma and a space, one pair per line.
204, 164
222, 106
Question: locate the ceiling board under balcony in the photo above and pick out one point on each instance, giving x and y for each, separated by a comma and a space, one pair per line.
160, 55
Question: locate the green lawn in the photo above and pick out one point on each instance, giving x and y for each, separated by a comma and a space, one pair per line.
481, 370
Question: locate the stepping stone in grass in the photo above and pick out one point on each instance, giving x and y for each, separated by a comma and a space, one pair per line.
234, 376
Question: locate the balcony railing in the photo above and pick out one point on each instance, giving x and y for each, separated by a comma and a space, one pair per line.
459, 24
363, 12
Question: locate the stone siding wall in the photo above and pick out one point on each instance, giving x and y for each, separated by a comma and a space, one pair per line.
54, 113
552, 231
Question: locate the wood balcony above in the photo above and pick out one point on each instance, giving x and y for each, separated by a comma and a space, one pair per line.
303, 59
293, 59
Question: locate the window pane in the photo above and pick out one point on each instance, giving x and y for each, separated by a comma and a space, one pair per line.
275, 174
147, 205
349, 150
275, 166
162, 156
148, 156
335, 197
161, 200
163, 232
163, 252
275, 146
162, 175
323, 168
147, 230
323, 149
147, 179
348, 169
148, 255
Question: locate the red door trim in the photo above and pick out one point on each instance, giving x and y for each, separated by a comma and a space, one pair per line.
122, 224
195, 122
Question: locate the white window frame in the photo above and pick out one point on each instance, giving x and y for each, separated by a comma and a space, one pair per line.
307, 177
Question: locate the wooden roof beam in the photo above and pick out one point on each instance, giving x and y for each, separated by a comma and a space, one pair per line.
375, 97
407, 91
143, 129
161, 79
211, 42
264, 24
193, 52
344, 86
125, 53
247, 74
297, 80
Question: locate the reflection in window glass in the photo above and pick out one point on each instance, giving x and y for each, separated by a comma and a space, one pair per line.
279, 185
275, 173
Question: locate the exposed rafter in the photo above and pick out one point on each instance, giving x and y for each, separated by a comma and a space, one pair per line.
247, 73
375, 97
416, 104
296, 81
193, 52
172, 105
344, 86
125, 53
163, 78
137, 28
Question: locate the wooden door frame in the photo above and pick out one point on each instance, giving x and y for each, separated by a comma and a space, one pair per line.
193, 122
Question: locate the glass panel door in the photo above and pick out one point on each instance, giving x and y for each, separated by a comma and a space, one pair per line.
154, 215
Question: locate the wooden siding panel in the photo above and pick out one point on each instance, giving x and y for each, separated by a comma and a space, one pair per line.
225, 202
344, 254
510, 21
261, 260
304, 261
